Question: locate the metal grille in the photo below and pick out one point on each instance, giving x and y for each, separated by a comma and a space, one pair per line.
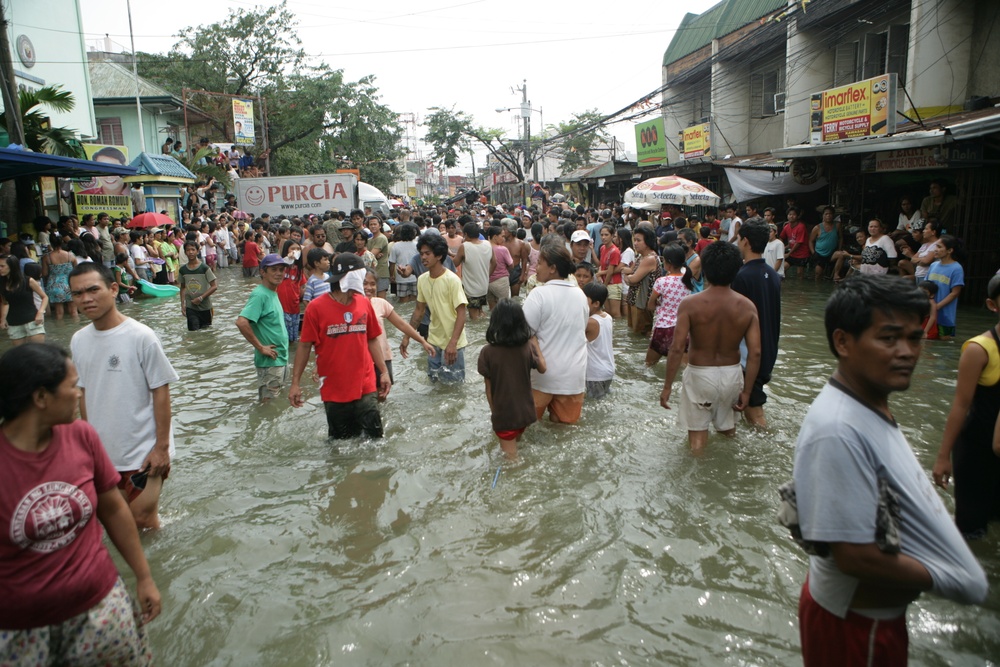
977, 227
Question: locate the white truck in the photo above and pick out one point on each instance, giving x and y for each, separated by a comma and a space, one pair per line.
302, 195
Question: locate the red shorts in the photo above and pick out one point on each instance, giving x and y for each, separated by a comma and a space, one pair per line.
510, 435
125, 484
829, 641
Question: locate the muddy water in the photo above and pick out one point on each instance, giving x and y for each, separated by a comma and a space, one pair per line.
605, 544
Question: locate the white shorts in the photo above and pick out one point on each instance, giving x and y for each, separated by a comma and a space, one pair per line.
708, 394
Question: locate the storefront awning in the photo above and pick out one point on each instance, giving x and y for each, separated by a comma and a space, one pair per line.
896, 142
18, 163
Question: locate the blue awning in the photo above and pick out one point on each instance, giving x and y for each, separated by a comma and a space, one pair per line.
17, 163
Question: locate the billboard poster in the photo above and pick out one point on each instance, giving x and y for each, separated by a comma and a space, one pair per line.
243, 130
696, 141
861, 109
650, 142
104, 194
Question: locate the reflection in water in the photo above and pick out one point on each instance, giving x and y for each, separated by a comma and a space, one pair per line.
606, 543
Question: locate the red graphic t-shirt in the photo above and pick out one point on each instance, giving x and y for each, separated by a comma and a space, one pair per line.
53, 564
290, 290
341, 334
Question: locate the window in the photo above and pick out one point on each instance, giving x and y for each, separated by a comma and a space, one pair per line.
764, 87
109, 131
874, 54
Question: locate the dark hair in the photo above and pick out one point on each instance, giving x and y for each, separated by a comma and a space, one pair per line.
929, 286
192, 244
757, 235
508, 326
674, 255
14, 281
407, 231
797, 210
852, 304
537, 230
648, 236
596, 292
110, 152
284, 251
555, 254
121, 258
993, 288
720, 262
27, 369
956, 246
493, 231
470, 230
358, 212
625, 236
586, 266
32, 270
92, 267
435, 243
314, 256
705, 231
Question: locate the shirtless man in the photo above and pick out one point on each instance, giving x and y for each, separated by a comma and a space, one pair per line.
717, 319
519, 251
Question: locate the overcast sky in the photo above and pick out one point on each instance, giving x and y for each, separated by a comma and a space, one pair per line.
467, 54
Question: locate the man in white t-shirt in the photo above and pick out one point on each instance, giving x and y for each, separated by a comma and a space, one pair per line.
877, 532
126, 376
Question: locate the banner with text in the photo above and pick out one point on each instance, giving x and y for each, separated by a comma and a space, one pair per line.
650, 143
861, 109
243, 122
104, 194
696, 141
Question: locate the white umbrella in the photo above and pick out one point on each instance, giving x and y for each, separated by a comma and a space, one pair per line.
653, 192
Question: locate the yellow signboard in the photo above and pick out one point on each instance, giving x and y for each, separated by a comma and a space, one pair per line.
104, 194
862, 109
696, 141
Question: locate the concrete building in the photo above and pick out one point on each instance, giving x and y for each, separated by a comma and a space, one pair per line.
749, 73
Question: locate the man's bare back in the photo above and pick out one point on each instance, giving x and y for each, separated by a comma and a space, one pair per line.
717, 320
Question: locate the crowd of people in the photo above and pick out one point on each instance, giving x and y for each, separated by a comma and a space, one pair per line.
704, 291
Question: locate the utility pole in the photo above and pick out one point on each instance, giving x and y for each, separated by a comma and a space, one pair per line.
9, 87
526, 117
135, 75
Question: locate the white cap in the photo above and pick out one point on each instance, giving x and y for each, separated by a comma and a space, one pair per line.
580, 235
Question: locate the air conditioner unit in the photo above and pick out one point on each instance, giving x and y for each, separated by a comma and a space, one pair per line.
779, 103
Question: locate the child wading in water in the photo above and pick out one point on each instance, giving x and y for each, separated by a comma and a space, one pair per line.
600, 353
930, 322
668, 290
505, 363
385, 312
125, 287
291, 288
317, 264
198, 283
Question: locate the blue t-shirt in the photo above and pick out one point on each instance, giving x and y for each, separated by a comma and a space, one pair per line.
947, 276
844, 448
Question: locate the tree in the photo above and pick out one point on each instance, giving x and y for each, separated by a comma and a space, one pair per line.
317, 121
207, 169
578, 139
39, 135
450, 132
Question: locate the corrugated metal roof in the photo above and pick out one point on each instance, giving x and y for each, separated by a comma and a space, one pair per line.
112, 81
149, 164
698, 30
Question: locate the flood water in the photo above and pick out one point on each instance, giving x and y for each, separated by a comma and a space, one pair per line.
606, 543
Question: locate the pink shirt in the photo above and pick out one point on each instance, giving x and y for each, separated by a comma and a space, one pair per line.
383, 309
671, 290
504, 262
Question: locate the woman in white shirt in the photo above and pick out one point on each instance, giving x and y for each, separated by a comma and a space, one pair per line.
879, 250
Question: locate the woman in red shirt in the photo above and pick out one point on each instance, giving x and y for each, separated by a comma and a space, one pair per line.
63, 600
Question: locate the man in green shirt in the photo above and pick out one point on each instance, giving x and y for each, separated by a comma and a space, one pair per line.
262, 323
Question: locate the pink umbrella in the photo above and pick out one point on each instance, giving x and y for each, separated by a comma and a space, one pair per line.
147, 220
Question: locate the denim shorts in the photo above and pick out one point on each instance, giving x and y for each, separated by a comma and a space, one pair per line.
436, 369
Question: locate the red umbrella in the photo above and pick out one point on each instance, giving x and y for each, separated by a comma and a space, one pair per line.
147, 220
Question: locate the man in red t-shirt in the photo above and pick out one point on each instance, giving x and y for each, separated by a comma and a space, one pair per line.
343, 327
796, 242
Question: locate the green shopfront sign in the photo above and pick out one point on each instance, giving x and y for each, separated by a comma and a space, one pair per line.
650, 142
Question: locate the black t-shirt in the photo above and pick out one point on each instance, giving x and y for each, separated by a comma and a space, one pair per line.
761, 284
509, 372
